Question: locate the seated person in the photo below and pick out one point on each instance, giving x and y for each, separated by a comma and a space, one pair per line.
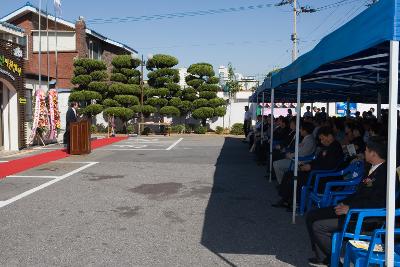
328, 158
286, 144
371, 193
306, 148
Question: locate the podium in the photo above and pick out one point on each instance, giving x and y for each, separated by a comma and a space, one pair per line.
80, 138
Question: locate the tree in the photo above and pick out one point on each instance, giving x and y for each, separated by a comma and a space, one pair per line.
203, 92
90, 80
164, 94
124, 92
232, 85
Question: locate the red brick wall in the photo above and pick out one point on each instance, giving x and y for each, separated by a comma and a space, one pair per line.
30, 22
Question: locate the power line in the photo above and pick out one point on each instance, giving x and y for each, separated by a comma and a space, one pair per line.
178, 14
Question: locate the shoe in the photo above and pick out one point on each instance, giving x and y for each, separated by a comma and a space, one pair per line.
280, 204
317, 262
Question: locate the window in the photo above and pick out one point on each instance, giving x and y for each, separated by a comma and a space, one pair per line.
65, 41
95, 50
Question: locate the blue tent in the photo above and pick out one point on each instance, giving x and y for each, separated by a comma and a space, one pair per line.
351, 62
355, 62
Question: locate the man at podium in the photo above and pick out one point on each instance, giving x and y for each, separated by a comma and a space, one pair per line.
71, 116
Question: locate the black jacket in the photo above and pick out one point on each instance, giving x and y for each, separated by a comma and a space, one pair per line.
329, 158
371, 192
70, 117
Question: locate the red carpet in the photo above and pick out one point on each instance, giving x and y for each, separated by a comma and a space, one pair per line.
23, 164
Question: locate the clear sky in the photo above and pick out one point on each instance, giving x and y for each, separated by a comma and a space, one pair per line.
253, 40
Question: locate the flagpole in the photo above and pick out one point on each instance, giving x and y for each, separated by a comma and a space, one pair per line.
48, 48
40, 44
56, 48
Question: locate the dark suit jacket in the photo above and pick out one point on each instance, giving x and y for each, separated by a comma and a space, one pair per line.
371, 192
70, 117
329, 157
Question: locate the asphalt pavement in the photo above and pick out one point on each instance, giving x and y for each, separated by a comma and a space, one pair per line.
149, 201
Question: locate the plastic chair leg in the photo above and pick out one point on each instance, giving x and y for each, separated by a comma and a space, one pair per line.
303, 200
335, 256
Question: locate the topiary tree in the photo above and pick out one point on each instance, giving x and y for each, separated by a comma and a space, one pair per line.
203, 92
165, 94
90, 80
124, 92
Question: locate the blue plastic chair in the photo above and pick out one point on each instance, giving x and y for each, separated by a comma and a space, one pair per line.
305, 189
305, 159
330, 197
338, 237
361, 257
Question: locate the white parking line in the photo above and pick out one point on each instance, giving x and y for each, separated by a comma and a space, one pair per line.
174, 144
40, 187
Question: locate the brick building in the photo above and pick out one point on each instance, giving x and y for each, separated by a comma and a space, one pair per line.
74, 40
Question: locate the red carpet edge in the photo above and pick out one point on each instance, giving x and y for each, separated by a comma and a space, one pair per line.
23, 164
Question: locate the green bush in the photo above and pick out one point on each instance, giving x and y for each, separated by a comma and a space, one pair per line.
201, 69
111, 103
134, 80
100, 87
203, 113
147, 109
99, 75
179, 128
93, 129
219, 130
130, 128
92, 110
90, 64
216, 102
237, 129
175, 101
169, 111
121, 89
84, 96
129, 73
125, 61
207, 95
219, 111
213, 80
201, 102
161, 61
157, 102
83, 80
147, 131
120, 112
200, 130
173, 87
195, 82
118, 77
79, 71
186, 106
127, 99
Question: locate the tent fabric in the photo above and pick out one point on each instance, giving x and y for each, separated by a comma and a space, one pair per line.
377, 24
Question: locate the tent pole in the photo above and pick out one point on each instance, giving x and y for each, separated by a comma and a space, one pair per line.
312, 109
262, 118
391, 165
296, 151
379, 108
272, 133
327, 109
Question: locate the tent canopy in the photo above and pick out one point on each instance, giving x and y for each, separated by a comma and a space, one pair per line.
352, 62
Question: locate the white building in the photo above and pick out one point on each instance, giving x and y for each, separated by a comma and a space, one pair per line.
182, 75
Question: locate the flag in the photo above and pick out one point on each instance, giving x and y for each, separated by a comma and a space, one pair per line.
57, 6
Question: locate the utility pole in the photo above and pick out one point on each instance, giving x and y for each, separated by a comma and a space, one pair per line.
141, 89
294, 34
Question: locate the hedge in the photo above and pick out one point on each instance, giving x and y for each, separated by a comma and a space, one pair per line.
216, 102
161, 61
237, 129
111, 103
92, 109
125, 61
84, 96
99, 75
207, 95
118, 77
219, 111
201, 102
90, 64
